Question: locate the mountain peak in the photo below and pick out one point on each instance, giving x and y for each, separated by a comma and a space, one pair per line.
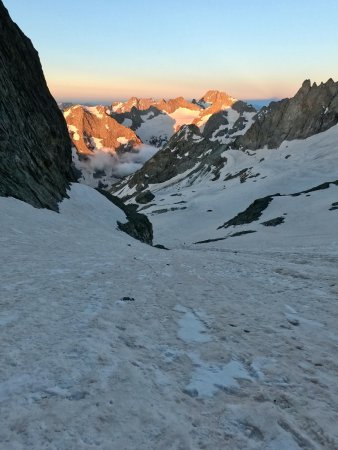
306, 84
92, 129
215, 96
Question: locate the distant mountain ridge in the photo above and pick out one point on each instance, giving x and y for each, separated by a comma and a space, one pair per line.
262, 181
127, 126
194, 152
136, 111
193, 138
143, 104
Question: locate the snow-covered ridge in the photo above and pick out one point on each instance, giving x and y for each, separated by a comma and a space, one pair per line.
155, 121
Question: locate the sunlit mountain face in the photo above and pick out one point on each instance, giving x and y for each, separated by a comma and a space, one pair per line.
116, 140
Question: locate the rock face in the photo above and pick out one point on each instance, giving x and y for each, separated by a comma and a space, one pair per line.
92, 128
138, 225
312, 110
135, 117
214, 101
35, 149
219, 97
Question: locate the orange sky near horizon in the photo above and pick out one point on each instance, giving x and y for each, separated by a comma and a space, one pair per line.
102, 89
110, 50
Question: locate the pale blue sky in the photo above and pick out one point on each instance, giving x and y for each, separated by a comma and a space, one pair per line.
109, 49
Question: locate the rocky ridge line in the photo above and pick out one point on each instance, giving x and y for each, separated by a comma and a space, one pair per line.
312, 110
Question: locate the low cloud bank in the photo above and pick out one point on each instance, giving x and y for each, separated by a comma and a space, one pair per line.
112, 164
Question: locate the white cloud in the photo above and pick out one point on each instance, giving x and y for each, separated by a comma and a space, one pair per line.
116, 165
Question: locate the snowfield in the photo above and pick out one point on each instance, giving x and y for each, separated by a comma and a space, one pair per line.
164, 125
193, 207
108, 343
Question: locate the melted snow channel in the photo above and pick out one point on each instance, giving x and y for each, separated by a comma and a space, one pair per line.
191, 328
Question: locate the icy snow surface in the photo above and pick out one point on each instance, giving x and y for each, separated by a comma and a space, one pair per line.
209, 355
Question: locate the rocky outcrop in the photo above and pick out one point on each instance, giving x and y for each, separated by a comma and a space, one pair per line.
252, 213
243, 107
145, 197
214, 123
312, 110
35, 149
92, 128
134, 118
138, 225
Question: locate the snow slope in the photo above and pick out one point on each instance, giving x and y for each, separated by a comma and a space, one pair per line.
221, 349
192, 207
159, 128
156, 129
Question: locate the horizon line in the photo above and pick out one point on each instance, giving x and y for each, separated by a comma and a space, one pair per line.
105, 101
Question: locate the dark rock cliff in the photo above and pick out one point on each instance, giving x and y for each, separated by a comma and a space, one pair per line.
35, 149
312, 110
138, 225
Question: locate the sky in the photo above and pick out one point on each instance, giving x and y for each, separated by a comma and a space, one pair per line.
104, 50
